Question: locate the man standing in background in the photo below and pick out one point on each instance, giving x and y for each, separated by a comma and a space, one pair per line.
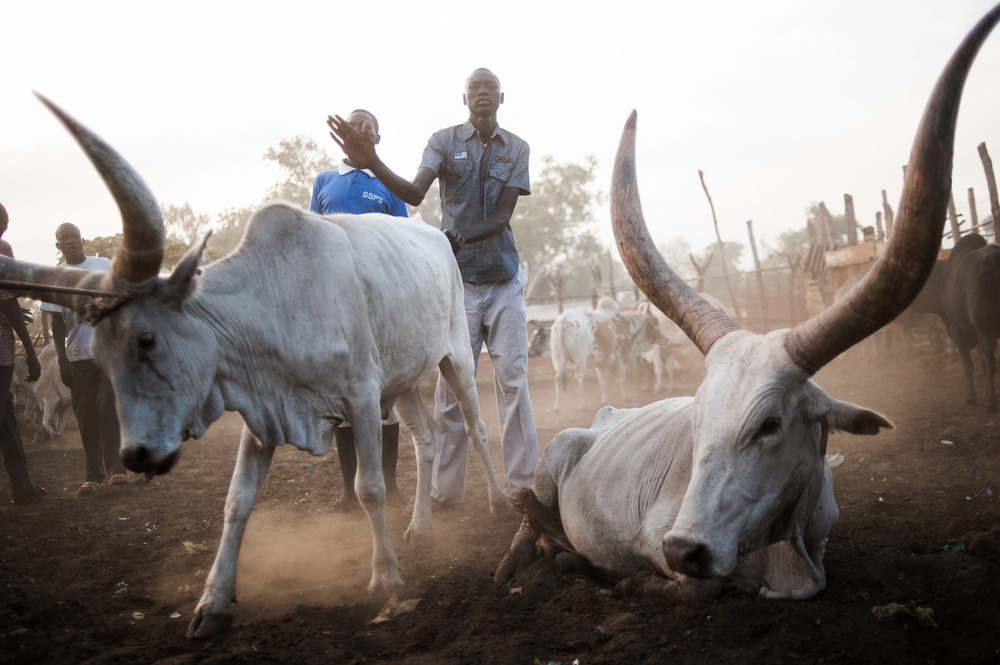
14, 460
482, 170
93, 396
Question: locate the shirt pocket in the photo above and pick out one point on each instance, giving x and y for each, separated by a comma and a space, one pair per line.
500, 172
460, 168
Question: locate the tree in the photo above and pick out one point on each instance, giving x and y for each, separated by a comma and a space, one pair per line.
302, 160
796, 243
553, 225
715, 276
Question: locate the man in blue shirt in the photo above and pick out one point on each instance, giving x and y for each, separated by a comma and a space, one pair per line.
354, 190
482, 170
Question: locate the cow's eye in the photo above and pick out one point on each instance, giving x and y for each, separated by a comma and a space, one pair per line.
770, 426
147, 341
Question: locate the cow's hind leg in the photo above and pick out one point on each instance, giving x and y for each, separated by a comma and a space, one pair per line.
989, 345
970, 389
461, 378
414, 415
214, 612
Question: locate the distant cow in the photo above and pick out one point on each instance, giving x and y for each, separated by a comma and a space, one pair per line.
964, 290
731, 487
538, 338
605, 339
665, 355
52, 398
299, 329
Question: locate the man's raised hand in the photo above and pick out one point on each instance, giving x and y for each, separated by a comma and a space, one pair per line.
358, 148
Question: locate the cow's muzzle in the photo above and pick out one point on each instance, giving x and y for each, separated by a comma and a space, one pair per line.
140, 460
688, 557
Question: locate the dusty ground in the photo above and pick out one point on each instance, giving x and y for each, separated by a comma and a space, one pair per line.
113, 578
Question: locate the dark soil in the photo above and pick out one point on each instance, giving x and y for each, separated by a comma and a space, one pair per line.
114, 577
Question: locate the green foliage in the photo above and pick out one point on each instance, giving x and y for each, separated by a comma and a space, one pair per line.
553, 227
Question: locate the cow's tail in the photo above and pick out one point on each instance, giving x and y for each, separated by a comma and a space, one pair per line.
544, 519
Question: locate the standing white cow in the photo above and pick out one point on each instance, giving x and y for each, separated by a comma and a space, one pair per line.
606, 339
732, 486
52, 399
301, 328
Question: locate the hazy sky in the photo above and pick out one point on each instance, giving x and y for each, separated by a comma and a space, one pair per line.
781, 104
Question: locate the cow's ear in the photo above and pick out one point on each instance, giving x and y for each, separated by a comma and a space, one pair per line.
852, 418
181, 283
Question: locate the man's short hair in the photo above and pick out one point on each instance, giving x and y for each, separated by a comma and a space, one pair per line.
368, 113
68, 225
4, 218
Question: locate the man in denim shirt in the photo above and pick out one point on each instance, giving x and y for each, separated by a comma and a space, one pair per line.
482, 170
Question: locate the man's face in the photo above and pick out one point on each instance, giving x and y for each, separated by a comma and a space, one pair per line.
358, 119
482, 93
69, 242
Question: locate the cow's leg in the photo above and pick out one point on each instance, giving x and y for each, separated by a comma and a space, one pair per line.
370, 488
966, 355
460, 377
214, 612
414, 415
989, 345
560, 382
656, 357
560, 456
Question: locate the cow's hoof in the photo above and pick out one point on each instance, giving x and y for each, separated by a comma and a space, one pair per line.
416, 535
521, 555
204, 625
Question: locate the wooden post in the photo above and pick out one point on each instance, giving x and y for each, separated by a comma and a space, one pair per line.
849, 220
888, 214
701, 270
722, 248
956, 232
611, 277
827, 224
793, 266
991, 184
973, 215
878, 225
556, 286
760, 278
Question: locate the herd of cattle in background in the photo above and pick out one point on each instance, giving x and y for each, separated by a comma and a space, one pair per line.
729, 487
637, 345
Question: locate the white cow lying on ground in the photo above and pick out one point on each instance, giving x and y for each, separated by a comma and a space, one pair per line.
304, 326
606, 339
732, 487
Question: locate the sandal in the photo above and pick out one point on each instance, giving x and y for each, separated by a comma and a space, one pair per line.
88, 487
118, 479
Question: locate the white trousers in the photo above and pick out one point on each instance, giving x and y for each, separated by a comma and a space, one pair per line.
496, 316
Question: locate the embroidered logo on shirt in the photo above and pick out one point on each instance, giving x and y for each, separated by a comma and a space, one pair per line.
461, 155
372, 197
503, 160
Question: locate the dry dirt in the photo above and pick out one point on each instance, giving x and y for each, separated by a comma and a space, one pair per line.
113, 578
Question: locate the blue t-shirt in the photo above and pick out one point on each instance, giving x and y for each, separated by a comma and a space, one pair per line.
353, 191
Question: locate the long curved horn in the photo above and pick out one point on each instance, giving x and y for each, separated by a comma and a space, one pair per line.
56, 285
901, 272
698, 318
140, 254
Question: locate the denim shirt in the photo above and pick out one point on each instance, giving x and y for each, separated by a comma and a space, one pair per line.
471, 176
